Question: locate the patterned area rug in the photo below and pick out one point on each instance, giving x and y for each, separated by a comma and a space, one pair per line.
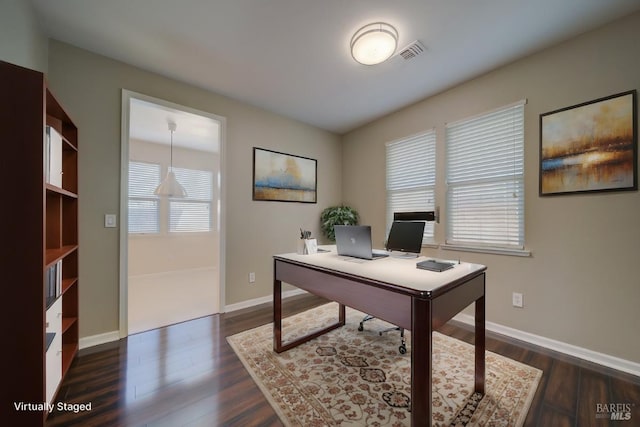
351, 378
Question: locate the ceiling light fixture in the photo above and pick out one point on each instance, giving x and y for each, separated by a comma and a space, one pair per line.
170, 187
374, 43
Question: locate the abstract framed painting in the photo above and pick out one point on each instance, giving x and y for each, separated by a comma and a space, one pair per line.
284, 177
590, 147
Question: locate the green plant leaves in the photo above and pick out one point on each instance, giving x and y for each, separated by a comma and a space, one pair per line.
337, 215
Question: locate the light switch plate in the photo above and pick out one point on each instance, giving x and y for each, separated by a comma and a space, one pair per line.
517, 300
110, 221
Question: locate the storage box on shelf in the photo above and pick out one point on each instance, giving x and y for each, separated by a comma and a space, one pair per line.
54, 351
41, 223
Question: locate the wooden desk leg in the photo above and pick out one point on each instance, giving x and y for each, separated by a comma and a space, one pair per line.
480, 345
278, 347
421, 365
277, 315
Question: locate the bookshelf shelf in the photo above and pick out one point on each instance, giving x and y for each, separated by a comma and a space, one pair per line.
55, 255
68, 283
68, 145
43, 233
52, 188
67, 323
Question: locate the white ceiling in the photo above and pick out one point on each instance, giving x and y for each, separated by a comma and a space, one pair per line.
292, 56
150, 122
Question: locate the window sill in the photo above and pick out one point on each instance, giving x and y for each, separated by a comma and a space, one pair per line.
159, 235
431, 245
493, 251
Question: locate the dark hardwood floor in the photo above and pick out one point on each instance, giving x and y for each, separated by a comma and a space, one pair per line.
187, 375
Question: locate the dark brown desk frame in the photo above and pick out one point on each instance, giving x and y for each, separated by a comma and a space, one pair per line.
419, 311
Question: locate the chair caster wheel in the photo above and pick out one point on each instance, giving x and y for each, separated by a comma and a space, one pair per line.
402, 349
361, 328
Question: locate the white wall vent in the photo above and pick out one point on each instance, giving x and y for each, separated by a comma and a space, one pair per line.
412, 50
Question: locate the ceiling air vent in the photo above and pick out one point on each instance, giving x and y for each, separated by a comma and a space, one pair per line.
412, 50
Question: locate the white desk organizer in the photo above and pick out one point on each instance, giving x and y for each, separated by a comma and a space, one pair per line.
307, 246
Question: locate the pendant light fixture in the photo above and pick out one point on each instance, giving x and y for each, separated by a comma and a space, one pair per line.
170, 187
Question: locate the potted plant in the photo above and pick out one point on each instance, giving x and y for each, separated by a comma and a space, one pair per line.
337, 215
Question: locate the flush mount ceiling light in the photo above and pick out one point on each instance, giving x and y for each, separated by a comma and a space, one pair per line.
374, 43
170, 187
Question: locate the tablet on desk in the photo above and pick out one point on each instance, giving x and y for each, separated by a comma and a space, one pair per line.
433, 265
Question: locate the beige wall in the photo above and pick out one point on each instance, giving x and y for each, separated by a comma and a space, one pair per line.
89, 86
21, 40
580, 285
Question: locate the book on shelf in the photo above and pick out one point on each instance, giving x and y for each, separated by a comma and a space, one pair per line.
53, 158
53, 282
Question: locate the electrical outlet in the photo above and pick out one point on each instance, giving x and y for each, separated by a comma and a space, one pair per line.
517, 300
252, 277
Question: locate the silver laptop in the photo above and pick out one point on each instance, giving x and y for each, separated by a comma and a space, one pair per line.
355, 241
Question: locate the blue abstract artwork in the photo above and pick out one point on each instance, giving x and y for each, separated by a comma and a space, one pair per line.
283, 177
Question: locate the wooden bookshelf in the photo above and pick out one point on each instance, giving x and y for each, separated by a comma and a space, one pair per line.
41, 224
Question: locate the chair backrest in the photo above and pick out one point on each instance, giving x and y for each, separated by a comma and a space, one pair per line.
414, 216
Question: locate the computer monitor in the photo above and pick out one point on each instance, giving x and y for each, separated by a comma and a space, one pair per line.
406, 237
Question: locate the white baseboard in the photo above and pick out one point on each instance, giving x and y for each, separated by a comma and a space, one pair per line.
106, 337
572, 350
94, 340
262, 300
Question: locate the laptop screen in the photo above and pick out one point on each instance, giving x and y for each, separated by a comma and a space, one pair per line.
406, 236
354, 240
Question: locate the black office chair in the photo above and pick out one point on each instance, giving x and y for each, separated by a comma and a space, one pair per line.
400, 217
403, 344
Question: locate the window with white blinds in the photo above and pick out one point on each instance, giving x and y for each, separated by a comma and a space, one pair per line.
193, 213
148, 212
411, 177
485, 179
144, 208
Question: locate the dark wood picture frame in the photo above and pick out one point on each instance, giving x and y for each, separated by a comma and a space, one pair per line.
590, 147
282, 177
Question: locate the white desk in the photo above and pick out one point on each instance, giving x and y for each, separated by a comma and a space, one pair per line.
392, 289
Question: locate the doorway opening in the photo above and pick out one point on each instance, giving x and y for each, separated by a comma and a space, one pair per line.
171, 263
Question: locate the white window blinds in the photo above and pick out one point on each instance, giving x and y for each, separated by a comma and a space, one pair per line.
193, 213
143, 204
411, 177
485, 179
